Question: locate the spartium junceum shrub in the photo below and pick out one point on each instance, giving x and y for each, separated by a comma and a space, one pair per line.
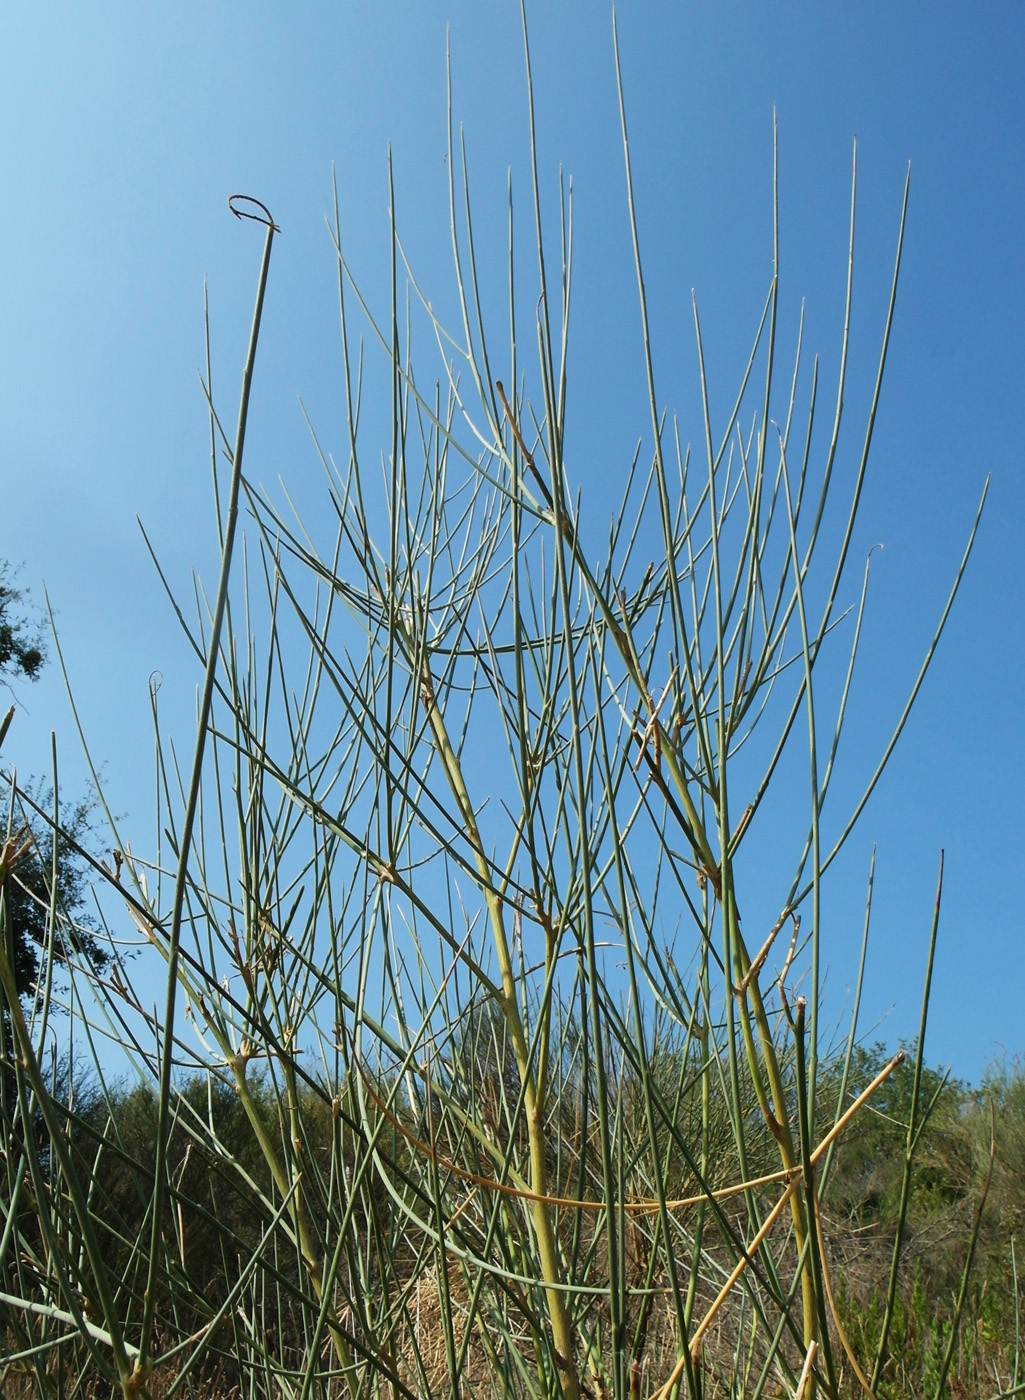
497, 1092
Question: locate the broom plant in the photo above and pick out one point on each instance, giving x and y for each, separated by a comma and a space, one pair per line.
451, 895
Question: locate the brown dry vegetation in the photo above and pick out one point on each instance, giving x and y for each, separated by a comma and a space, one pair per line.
218, 1219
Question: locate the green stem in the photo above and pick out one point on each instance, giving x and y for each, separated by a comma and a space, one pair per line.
540, 1212
144, 1363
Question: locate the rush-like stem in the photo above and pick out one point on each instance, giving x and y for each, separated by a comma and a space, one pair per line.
540, 1211
156, 1251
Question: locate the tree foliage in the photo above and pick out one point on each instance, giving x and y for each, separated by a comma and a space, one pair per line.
46, 892
21, 646
45, 885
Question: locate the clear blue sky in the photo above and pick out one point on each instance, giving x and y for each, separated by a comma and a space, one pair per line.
125, 126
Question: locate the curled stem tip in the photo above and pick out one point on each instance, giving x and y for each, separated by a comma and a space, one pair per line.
236, 203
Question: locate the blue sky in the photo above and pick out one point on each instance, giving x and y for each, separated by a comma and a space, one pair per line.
125, 127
